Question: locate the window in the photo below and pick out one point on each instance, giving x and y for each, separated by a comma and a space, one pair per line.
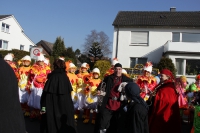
139, 38
5, 28
188, 66
192, 67
134, 61
30, 47
190, 37
179, 66
176, 37
3, 44
21, 47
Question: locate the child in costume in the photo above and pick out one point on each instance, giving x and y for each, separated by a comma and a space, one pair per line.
83, 77
181, 86
146, 82
24, 90
91, 96
125, 73
38, 77
9, 59
111, 70
74, 82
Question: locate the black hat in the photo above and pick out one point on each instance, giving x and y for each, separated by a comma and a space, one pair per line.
118, 65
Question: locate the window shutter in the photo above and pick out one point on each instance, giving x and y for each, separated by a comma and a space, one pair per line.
139, 38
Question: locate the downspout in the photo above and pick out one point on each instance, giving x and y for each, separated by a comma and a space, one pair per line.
116, 52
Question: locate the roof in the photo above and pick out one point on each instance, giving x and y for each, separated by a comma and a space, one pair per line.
46, 45
4, 16
157, 18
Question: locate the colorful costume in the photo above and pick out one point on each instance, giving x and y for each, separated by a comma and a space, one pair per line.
194, 87
83, 77
146, 82
38, 77
91, 96
74, 82
181, 84
24, 90
196, 103
9, 59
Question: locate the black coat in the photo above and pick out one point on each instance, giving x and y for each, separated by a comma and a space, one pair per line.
136, 119
56, 97
11, 116
109, 80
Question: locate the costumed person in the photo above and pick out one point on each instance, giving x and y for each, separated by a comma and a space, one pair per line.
24, 90
9, 59
181, 84
74, 82
125, 73
56, 103
111, 70
196, 103
83, 77
146, 82
137, 111
109, 116
91, 96
194, 87
11, 116
47, 62
164, 116
38, 77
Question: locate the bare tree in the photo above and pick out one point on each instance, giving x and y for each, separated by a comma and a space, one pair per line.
99, 37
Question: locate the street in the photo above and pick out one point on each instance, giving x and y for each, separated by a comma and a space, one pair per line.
34, 126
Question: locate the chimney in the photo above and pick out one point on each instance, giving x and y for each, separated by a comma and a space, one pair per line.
172, 9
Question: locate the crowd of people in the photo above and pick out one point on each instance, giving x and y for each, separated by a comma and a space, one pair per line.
118, 103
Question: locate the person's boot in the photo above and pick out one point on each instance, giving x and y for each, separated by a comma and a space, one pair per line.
87, 116
103, 131
76, 115
93, 117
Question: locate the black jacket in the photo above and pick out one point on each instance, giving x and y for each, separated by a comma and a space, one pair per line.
11, 116
56, 97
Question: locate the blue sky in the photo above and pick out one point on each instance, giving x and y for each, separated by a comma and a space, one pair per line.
73, 20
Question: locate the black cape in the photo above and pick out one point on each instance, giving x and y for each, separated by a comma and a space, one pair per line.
11, 116
136, 119
56, 97
109, 80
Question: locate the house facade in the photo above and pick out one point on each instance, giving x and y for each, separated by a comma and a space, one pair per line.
147, 36
12, 35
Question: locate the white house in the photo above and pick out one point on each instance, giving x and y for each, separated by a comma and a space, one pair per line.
12, 35
141, 36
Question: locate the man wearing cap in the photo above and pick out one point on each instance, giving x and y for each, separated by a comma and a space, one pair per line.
110, 112
146, 82
24, 90
38, 77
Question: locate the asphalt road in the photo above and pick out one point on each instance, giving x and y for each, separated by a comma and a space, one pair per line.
34, 126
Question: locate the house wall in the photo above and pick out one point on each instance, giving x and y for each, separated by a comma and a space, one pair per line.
157, 38
15, 37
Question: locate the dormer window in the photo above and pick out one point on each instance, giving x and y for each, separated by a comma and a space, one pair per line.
5, 28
